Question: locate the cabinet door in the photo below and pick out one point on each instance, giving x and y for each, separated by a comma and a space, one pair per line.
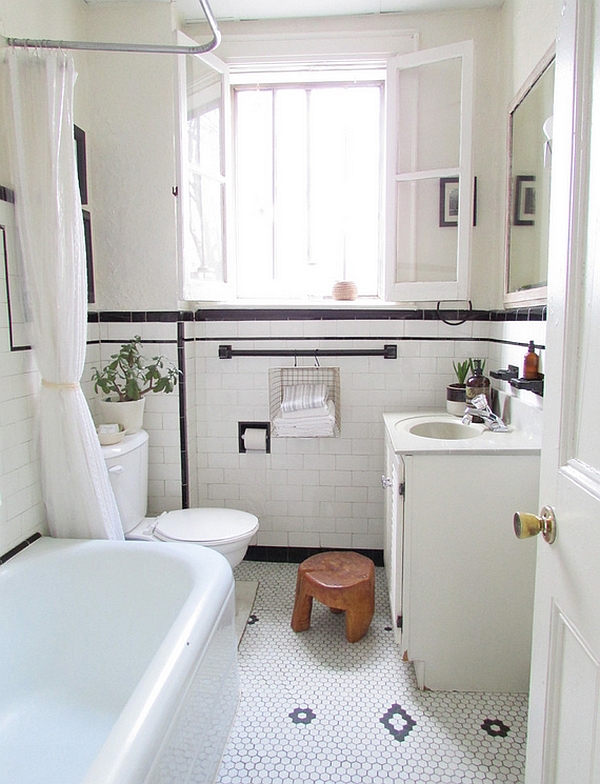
393, 534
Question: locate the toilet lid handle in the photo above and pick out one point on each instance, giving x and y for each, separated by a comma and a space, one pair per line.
118, 469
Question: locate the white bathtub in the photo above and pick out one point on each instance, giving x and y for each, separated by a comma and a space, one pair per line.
117, 663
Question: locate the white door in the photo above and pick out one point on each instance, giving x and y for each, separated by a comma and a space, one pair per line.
563, 735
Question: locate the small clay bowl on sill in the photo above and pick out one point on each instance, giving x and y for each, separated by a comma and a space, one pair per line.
345, 290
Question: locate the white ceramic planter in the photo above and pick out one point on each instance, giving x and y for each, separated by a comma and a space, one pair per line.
129, 413
456, 399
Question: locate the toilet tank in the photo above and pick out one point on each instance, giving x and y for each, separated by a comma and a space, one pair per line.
127, 464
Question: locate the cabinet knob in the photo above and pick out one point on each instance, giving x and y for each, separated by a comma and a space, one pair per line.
386, 481
527, 525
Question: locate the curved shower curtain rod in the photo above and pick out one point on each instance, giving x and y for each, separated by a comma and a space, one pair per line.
97, 46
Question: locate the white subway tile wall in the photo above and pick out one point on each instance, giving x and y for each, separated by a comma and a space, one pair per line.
21, 511
323, 492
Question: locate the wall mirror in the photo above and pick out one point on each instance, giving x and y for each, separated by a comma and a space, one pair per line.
530, 170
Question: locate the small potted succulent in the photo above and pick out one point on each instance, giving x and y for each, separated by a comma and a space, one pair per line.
126, 379
456, 393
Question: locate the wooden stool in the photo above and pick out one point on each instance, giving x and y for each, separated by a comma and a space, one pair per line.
343, 581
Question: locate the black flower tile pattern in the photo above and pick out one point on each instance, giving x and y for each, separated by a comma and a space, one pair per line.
252, 620
302, 716
351, 691
495, 728
398, 730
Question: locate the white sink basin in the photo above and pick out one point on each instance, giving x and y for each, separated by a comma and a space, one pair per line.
443, 429
437, 432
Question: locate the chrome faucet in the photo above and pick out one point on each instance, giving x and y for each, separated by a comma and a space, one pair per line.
480, 407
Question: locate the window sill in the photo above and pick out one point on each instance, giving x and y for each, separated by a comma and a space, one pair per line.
362, 303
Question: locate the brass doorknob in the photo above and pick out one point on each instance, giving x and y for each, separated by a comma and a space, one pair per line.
527, 525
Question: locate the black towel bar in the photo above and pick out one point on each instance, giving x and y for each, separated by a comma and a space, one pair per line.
389, 351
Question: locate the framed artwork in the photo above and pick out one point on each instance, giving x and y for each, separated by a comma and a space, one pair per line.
525, 194
10, 257
87, 231
80, 157
449, 201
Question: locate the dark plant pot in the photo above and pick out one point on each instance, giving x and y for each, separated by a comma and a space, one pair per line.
456, 399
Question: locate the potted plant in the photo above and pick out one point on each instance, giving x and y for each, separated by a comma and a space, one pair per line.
456, 393
126, 379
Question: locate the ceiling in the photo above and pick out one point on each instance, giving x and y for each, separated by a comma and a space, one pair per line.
279, 9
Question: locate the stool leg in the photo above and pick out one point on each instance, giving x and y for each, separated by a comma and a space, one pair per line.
360, 614
302, 607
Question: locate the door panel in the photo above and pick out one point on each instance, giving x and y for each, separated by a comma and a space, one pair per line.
563, 745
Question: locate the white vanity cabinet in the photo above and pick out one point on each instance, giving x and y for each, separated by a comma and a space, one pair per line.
460, 582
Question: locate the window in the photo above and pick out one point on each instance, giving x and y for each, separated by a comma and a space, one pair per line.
288, 197
308, 188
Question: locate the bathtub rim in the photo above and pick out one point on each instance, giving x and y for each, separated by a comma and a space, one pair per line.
135, 739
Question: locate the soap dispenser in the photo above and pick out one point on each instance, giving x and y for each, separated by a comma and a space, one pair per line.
531, 363
478, 384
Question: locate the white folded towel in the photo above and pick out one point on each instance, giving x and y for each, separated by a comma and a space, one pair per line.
302, 396
305, 424
306, 413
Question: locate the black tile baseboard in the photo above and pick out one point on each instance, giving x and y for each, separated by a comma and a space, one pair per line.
299, 554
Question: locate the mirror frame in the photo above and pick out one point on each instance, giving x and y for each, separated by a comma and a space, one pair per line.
538, 294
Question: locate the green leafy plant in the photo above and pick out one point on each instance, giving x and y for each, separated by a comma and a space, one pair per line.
462, 370
130, 376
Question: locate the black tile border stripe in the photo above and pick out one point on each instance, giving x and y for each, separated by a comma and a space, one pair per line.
537, 313
15, 550
183, 441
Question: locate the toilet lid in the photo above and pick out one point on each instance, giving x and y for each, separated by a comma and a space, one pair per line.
205, 526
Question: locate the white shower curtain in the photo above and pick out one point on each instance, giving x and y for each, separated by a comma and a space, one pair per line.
76, 491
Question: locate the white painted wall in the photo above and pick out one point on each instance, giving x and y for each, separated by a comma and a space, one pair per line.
530, 29
131, 156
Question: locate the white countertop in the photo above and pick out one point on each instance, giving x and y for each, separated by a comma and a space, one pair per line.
513, 442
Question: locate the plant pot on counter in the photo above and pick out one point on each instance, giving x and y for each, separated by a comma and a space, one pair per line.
129, 413
456, 399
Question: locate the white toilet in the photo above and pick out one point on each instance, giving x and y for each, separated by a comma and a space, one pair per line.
227, 530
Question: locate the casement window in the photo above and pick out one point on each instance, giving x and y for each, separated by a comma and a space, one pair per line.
295, 178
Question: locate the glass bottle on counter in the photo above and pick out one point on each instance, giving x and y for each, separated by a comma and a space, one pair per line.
478, 384
531, 363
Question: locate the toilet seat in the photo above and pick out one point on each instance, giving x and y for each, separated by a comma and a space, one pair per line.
207, 526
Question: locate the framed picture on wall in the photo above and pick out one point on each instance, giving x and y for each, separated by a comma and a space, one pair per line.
80, 156
87, 231
449, 201
525, 196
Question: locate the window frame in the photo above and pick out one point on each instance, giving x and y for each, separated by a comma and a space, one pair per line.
210, 291
245, 70
421, 291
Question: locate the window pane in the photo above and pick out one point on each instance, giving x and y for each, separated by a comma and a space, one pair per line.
308, 181
204, 116
425, 251
291, 183
254, 160
363, 191
429, 125
205, 229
